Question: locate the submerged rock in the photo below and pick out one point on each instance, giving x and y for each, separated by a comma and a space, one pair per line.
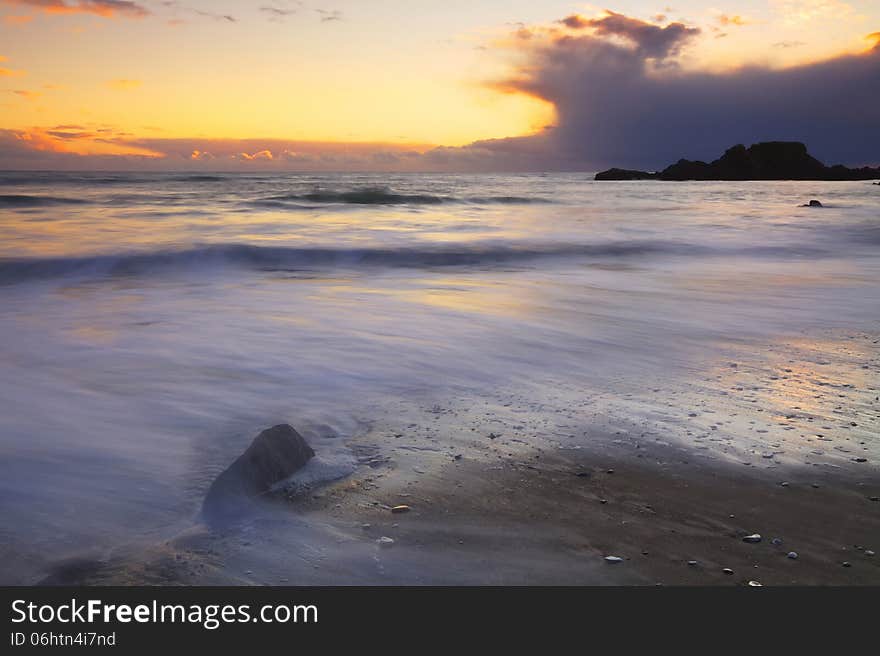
275, 454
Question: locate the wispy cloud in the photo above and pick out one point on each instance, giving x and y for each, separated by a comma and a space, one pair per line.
27, 95
104, 8
808, 11
17, 21
328, 15
8, 72
733, 21
124, 84
279, 13
178, 7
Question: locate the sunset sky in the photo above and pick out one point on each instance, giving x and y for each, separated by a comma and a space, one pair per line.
399, 84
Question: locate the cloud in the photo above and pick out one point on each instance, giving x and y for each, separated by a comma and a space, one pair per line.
733, 21
176, 6
70, 146
87, 147
27, 95
123, 84
575, 21
279, 13
650, 40
328, 15
104, 8
616, 107
8, 72
17, 20
262, 154
808, 11
220, 17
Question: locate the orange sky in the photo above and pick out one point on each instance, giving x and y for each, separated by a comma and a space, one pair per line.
99, 77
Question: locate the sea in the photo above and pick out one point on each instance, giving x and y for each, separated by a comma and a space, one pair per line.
152, 323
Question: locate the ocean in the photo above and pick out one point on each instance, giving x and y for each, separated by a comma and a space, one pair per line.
152, 324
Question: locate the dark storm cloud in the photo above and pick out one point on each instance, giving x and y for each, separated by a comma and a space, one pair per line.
622, 104
650, 40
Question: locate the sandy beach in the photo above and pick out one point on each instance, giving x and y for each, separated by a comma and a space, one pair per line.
669, 477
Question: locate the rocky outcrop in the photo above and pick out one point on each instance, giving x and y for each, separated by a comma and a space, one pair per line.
770, 160
275, 454
624, 174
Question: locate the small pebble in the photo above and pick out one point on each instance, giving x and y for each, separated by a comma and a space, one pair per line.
846, 563
385, 541
400, 509
693, 563
753, 538
613, 560
776, 542
792, 554
755, 584
727, 571
868, 552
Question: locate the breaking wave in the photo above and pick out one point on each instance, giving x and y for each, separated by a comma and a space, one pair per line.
264, 258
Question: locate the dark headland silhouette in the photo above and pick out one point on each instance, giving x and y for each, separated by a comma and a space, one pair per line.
769, 160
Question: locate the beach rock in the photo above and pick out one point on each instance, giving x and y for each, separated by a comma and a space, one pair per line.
613, 560
813, 203
275, 454
753, 538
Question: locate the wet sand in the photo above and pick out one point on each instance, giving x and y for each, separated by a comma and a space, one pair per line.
669, 476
